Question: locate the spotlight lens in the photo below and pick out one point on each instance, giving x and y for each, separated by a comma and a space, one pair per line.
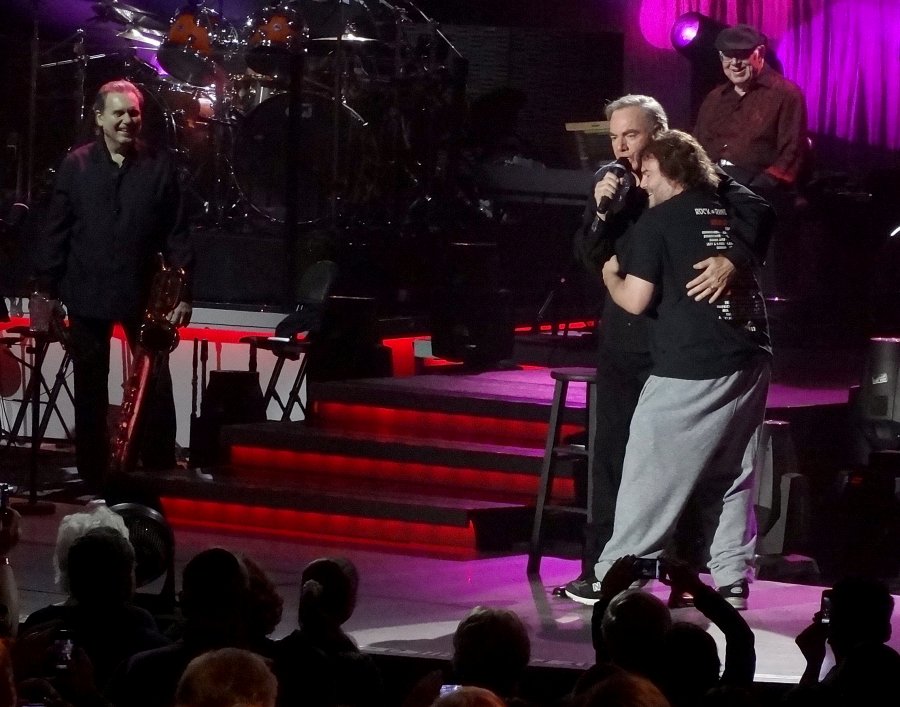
685, 30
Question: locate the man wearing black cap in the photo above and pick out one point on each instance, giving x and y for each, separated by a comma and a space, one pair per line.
754, 126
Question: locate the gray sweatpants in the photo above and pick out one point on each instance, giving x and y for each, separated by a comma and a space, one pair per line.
700, 438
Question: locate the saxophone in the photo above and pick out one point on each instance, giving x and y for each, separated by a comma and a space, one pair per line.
157, 338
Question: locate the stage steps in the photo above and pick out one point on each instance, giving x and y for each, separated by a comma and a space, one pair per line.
444, 465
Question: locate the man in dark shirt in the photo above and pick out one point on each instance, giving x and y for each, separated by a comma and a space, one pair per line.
624, 361
693, 436
115, 204
755, 127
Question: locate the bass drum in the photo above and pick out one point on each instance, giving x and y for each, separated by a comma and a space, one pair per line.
260, 158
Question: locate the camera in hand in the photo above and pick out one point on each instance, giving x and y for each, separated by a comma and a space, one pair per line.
825, 608
62, 651
647, 568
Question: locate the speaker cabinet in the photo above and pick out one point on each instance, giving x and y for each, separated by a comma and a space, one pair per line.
471, 313
876, 407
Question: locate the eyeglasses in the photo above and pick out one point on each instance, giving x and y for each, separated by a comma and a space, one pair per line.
733, 57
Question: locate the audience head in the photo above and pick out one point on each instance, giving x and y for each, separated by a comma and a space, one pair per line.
328, 590
469, 696
228, 677
633, 627
689, 663
7, 681
72, 527
101, 568
265, 603
861, 610
625, 690
214, 595
491, 649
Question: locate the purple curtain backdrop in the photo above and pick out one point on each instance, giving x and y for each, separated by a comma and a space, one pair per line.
844, 54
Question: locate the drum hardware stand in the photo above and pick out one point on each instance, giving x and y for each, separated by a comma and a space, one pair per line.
429, 166
292, 175
341, 66
32, 98
219, 120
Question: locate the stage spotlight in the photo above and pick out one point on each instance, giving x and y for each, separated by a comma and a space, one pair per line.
693, 32
694, 36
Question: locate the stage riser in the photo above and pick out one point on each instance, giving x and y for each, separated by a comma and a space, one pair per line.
371, 468
462, 426
453, 480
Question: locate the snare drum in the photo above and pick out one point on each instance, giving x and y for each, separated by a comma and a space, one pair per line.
200, 47
274, 35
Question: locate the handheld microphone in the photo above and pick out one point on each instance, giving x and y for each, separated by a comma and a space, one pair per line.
622, 168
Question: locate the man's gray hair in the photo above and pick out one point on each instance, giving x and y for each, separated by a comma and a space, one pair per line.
655, 113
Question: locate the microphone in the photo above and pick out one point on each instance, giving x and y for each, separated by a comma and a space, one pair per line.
622, 168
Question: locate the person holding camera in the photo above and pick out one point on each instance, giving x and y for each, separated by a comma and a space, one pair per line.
633, 630
855, 620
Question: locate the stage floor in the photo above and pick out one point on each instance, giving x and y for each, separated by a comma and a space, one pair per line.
410, 606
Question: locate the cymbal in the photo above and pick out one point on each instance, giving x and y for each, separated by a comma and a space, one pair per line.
124, 14
353, 38
144, 36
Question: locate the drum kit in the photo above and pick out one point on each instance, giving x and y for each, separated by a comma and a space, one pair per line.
369, 78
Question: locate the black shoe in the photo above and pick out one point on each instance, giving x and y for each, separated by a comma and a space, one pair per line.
680, 600
736, 594
584, 590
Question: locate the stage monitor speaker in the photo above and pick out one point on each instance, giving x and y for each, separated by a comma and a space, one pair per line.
876, 408
471, 314
230, 398
348, 345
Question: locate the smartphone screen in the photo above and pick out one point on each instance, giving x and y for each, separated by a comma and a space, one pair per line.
825, 608
646, 567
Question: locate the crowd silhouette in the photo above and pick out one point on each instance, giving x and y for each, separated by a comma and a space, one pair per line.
97, 648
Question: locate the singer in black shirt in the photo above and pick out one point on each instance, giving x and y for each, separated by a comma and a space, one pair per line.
115, 204
624, 361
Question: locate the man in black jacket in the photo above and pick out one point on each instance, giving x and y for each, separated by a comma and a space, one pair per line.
624, 362
115, 204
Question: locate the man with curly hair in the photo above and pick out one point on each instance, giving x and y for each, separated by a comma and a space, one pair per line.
694, 431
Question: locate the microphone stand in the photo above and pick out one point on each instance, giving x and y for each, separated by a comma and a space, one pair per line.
292, 174
338, 103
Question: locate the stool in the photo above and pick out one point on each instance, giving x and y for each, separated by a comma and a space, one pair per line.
555, 451
290, 350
